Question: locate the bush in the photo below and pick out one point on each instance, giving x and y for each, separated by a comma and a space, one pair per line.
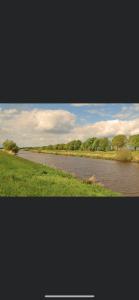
10, 146
124, 155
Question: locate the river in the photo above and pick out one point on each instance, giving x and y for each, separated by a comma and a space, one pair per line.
118, 176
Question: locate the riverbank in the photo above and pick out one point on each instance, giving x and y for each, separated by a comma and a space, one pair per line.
109, 155
8, 152
20, 177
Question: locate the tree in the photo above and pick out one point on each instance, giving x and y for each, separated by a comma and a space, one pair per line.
70, 145
74, 145
10, 146
49, 147
119, 141
77, 144
83, 146
61, 147
103, 144
88, 144
134, 141
95, 145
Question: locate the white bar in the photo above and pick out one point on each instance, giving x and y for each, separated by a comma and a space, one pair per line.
69, 296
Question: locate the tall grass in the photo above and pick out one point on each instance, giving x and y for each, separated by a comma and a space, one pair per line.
124, 155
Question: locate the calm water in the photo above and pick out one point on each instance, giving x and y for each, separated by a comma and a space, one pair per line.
118, 176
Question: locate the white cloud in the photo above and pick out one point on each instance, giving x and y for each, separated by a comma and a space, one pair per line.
45, 120
80, 104
128, 111
98, 112
6, 112
54, 121
27, 127
106, 129
87, 104
43, 127
122, 115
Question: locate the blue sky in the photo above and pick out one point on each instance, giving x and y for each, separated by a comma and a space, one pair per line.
41, 124
85, 112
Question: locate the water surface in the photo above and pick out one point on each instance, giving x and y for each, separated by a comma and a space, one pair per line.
118, 176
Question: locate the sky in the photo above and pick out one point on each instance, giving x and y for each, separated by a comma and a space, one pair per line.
45, 124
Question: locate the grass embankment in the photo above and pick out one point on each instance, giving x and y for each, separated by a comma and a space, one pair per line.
20, 177
111, 155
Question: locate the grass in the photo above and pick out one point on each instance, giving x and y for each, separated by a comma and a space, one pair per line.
111, 155
135, 155
20, 177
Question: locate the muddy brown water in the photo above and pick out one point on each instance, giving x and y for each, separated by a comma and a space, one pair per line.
118, 176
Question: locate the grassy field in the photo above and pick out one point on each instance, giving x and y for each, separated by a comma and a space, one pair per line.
93, 154
20, 177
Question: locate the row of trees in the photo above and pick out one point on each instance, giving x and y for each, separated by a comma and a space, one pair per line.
92, 144
99, 144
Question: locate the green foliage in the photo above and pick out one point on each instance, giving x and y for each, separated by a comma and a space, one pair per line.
83, 146
119, 141
91, 144
124, 155
60, 147
10, 146
134, 141
103, 144
74, 145
95, 145
20, 177
88, 144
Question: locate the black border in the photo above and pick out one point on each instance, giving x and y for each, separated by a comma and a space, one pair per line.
70, 99
72, 244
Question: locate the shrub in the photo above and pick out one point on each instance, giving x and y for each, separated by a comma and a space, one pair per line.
124, 155
10, 146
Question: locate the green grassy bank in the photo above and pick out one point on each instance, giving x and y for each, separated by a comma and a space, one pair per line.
112, 155
20, 177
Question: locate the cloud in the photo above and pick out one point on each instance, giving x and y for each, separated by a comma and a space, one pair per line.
122, 115
54, 121
38, 127
98, 112
80, 104
87, 104
46, 120
128, 111
58, 121
106, 129
7, 112
27, 127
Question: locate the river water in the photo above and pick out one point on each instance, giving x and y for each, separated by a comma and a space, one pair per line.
118, 176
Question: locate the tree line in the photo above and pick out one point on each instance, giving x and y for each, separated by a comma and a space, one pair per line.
98, 144
92, 144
